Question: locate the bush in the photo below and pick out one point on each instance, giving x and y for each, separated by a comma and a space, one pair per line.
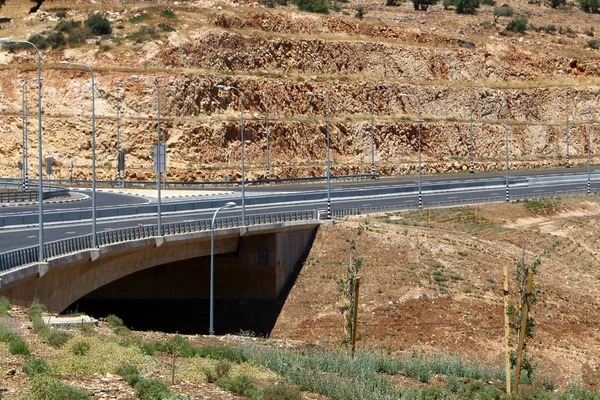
242, 384
39, 41
45, 387
167, 13
392, 3
18, 347
221, 370
139, 17
517, 25
98, 24
593, 44
589, 6
129, 373
143, 33
152, 389
360, 12
35, 311
116, 324
488, 2
422, 5
61, 14
466, 6
4, 306
557, 3
35, 366
315, 6
56, 39
67, 26
6, 335
503, 11
57, 339
281, 392
80, 348
165, 27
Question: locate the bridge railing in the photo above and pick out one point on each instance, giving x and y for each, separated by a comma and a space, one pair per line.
29, 255
452, 202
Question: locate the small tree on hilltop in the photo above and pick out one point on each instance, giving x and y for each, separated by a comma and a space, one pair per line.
466, 6
98, 24
503, 11
421, 5
315, 6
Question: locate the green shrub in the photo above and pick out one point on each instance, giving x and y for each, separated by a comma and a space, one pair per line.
56, 39
503, 11
86, 328
167, 13
98, 24
315, 6
45, 387
129, 373
360, 12
242, 384
67, 26
152, 389
116, 324
281, 392
165, 27
57, 339
466, 6
392, 3
61, 14
80, 348
7, 335
139, 17
35, 311
422, 5
517, 25
590, 6
35, 366
143, 33
18, 347
4, 306
557, 3
38, 40
221, 370
488, 2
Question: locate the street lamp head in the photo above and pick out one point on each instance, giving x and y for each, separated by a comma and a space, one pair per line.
135, 77
280, 83
403, 95
310, 93
224, 87
230, 204
5, 40
65, 63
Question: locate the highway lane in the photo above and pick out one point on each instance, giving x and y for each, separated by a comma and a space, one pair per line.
14, 238
103, 199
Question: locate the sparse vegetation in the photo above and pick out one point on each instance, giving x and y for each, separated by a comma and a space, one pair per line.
504, 10
422, 5
139, 17
116, 324
590, 6
518, 25
4, 306
167, 13
315, 6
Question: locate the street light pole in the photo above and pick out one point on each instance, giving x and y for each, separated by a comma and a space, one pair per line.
420, 145
268, 161
327, 106
211, 325
472, 144
373, 88
159, 163
506, 142
25, 145
118, 83
589, 144
40, 154
240, 95
94, 243
567, 123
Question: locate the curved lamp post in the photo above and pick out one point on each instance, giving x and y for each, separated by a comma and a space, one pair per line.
119, 83
472, 139
40, 154
25, 145
420, 146
371, 90
589, 145
568, 165
211, 326
268, 161
327, 106
241, 96
505, 141
158, 146
94, 243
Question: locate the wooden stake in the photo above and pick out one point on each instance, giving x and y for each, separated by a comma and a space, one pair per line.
355, 316
506, 332
173, 365
522, 332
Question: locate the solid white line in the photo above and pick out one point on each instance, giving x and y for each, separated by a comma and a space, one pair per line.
31, 237
69, 233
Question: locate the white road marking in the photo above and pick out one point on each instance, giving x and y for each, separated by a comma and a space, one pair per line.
31, 237
69, 233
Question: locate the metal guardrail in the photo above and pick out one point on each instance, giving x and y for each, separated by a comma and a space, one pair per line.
31, 195
29, 255
478, 200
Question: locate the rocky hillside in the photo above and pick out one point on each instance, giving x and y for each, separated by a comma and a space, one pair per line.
192, 46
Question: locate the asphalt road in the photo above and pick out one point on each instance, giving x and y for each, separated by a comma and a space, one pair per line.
14, 238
